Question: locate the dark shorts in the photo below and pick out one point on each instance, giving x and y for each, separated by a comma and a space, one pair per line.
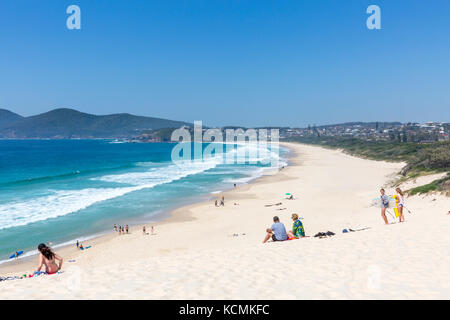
275, 238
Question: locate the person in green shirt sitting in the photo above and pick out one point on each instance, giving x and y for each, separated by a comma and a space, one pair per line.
297, 228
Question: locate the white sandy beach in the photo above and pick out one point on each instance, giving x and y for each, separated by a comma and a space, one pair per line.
194, 254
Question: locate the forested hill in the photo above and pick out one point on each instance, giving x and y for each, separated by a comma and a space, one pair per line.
69, 123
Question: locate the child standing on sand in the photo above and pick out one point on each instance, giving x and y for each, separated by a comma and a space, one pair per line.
401, 204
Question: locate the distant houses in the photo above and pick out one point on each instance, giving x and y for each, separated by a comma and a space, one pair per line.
394, 131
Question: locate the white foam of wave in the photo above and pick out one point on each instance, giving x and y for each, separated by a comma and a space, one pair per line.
64, 202
185, 168
157, 176
250, 153
58, 204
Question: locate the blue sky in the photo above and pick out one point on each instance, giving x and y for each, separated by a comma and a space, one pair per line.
229, 62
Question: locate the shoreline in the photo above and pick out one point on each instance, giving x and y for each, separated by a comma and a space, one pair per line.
69, 251
207, 252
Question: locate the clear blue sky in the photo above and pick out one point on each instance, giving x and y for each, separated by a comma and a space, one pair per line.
229, 62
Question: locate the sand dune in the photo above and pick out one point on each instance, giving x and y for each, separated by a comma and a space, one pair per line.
196, 255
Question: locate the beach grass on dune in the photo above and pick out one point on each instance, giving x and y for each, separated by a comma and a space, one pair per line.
421, 159
437, 185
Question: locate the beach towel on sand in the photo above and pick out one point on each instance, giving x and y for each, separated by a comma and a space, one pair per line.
298, 229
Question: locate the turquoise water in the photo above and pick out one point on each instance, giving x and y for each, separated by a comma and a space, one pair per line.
61, 190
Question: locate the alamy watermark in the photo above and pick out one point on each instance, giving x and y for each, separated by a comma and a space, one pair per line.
74, 20
240, 146
374, 20
373, 277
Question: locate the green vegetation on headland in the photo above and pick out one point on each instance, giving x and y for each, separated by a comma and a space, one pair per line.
72, 124
420, 158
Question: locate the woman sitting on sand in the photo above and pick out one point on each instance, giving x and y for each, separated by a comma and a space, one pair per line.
297, 228
47, 257
401, 203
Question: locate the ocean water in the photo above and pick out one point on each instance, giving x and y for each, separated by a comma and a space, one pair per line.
59, 191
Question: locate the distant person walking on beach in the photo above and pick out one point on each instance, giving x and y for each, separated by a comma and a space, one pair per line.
384, 205
401, 204
222, 202
126, 228
143, 230
277, 231
48, 259
115, 227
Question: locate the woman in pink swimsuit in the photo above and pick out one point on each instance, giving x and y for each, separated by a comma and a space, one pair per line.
48, 258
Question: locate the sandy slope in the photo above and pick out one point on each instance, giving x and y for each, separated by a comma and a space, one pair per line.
195, 255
